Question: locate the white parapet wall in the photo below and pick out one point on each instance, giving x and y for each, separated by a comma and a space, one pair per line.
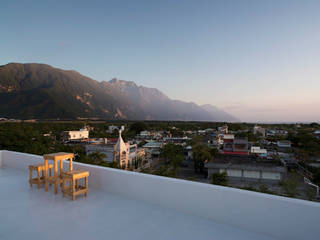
279, 217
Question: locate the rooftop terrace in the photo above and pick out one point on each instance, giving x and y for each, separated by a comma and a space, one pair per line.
128, 205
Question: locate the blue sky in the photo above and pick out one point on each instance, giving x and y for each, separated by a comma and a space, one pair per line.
259, 60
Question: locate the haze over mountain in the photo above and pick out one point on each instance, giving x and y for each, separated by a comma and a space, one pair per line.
41, 91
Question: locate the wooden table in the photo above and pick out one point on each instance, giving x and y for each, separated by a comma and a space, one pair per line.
56, 179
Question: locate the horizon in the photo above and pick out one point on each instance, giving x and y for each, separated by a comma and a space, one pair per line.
256, 60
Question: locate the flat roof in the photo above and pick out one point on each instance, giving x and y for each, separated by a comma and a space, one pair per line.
29, 213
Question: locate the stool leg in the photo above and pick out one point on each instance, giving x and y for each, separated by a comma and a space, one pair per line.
86, 186
73, 190
64, 187
30, 177
77, 184
39, 174
50, 174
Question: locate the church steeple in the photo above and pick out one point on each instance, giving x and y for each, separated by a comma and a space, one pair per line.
120, 145
121, 152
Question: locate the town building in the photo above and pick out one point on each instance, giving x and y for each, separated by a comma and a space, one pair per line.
233, 145
259, 151
113, 128
284, 144
82, 134
176, 140
153, 148
223, 129
246, 168
259, 130
228, 142
126, 154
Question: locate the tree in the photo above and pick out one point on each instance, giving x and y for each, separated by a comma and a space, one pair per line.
219, 179
170, 151
137, 127
316, 177
96, 158
290, 185
201, 154
173, 155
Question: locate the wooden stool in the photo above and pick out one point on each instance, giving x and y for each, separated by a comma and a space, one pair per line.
75, 188
39, 168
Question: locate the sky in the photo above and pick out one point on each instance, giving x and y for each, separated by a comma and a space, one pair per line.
258, 60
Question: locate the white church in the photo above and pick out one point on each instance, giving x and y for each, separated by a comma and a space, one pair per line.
124, 153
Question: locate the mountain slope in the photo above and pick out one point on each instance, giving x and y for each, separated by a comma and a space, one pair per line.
41, 91
219, 114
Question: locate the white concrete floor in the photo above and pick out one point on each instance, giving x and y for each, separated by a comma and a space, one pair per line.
27, 213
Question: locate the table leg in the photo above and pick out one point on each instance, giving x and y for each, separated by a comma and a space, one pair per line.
86, 186
38, 178
46, 174
61, 167
61, 170
73, 190
55, 176
70, 165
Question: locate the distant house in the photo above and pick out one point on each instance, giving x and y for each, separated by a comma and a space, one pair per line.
284, 144
259, 151
223, 129
240, 145
246, 169
227, 142
153, 148
176, 140
259, 130
145, 134
232, 145
113, 128
75, 135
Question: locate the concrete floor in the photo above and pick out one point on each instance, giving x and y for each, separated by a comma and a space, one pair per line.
27, 213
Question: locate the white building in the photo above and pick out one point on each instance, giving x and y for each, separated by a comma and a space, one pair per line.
75, 135
113, 128
223, 129
145, 134
259, 151
122, 152
284, 144
259, 130
125, 154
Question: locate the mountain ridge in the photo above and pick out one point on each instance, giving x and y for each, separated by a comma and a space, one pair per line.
41, 91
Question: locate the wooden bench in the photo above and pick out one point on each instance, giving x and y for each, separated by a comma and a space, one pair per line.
74, 188
40, 170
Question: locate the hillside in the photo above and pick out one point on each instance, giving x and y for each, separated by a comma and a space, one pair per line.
41, 91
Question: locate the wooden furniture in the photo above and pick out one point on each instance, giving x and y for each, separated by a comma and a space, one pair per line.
40, 170
74, 188
57, 178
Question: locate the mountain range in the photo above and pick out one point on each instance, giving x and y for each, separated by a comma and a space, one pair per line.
44, 92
